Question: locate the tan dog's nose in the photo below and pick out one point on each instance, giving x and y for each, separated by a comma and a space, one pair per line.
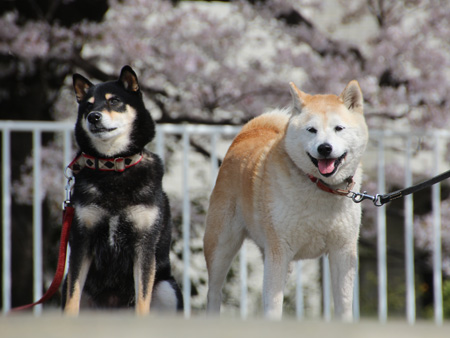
325, 149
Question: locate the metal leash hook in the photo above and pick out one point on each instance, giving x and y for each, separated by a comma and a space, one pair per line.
358, 197
381, 199
68, 188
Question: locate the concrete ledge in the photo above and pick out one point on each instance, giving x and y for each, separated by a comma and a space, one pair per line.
126, 325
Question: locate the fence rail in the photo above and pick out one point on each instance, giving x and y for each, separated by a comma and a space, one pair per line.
380, 145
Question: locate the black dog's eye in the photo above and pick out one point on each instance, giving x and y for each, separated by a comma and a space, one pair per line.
339, 128
114, 101
312, 130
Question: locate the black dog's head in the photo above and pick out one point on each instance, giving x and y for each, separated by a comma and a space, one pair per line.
112, 118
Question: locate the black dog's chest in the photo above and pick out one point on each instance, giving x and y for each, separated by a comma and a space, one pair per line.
107, 206
115, 191
112, 245
114, 232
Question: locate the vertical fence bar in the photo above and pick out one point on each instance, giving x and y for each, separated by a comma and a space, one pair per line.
160, 142
356, 309
381, 239
37, 220
243, 280
326, 285
186, 226
6, 222
67, 151
299, 303
214, 164
409, 240
437, 249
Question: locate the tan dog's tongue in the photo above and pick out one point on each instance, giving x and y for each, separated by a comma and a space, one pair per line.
326, 166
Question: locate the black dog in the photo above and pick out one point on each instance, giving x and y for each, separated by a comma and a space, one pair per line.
121, 232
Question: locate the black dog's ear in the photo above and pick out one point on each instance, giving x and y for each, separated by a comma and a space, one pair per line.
81, 85
129, 79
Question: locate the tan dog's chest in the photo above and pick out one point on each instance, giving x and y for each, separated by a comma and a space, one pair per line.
306, 221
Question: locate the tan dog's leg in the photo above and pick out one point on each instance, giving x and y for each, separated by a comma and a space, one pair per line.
144, 279
76, 278
276, 266
221, 242
343, 269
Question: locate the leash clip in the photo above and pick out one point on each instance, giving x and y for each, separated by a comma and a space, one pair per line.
70, 182
358, 197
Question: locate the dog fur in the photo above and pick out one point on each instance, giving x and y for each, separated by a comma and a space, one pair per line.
263, 192
121, 232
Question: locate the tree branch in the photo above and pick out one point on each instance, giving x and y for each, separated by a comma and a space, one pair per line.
386, 115
294, 18
195, 120
93, 71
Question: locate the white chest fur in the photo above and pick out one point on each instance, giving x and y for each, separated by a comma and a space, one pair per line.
306, 221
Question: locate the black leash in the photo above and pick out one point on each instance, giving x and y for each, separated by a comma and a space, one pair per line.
381, 199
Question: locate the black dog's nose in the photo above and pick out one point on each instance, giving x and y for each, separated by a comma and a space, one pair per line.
325, 149
94, 117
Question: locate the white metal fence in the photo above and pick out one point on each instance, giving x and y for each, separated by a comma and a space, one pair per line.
382, 141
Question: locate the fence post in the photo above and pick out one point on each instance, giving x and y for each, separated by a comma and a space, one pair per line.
186, 226
299, 303
356, 309
409, 240
67, 151
243, 280
160, 142
326, 285
214, 164
37, 220
381, 239
6, 223
437, 249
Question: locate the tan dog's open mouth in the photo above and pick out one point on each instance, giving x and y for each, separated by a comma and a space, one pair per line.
327, 166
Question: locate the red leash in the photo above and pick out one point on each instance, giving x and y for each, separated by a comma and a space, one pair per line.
59, 275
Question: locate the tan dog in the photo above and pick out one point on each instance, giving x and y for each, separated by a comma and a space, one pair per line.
279, 185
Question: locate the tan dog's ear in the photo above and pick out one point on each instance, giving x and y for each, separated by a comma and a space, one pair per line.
298, 97
352, 97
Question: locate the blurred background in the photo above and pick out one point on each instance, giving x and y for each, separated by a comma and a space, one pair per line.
223, 63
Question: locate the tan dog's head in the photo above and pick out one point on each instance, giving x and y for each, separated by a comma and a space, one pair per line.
327, 134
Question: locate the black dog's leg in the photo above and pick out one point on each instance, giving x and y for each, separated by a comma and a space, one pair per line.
166, 295
79, 263
144, 277
73, 285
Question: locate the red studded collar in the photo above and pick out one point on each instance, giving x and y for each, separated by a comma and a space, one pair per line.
325, 187
118, 164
